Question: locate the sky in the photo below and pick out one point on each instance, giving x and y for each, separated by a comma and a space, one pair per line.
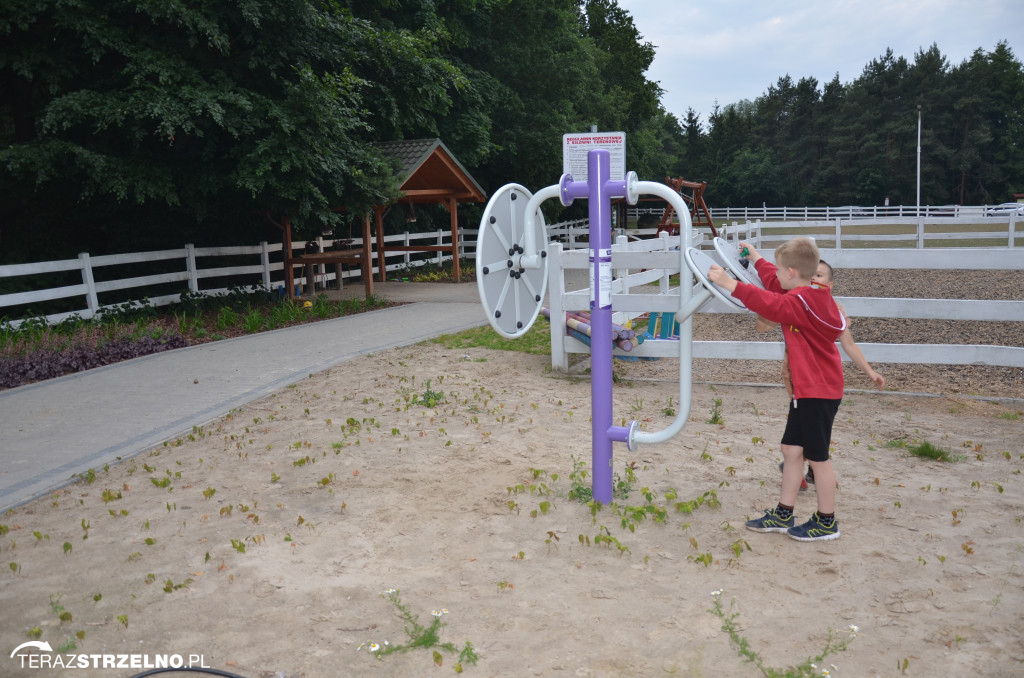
730, 50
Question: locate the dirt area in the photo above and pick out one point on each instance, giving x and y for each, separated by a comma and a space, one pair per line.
265, 541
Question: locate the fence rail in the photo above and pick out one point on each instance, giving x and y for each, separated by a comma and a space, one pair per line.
197, 269
264, 266
974, 212
656, 263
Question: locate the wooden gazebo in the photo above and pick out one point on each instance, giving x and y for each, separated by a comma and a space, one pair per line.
428, 174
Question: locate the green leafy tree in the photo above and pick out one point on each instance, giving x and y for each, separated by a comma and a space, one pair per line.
199, 119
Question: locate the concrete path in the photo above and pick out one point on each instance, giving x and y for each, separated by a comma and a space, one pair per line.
53, 430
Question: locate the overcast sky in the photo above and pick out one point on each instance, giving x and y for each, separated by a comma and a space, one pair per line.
730, 50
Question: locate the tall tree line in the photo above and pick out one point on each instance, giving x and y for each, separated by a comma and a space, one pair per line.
132, 124
802, 143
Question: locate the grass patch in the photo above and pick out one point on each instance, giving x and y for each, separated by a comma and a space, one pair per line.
928, 451
536, 340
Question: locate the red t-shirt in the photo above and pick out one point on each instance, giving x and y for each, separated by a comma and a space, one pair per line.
811, 323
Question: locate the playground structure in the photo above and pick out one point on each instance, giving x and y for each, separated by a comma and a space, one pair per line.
512, 280
700, 215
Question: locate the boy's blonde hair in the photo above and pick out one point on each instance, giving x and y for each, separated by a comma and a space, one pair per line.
799, 253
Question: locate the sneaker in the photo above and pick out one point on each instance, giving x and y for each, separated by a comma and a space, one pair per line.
814, 530
803, 482
771, 522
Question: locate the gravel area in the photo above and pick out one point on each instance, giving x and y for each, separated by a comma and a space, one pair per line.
920, 284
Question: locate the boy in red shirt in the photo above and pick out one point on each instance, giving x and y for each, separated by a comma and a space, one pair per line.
811, 323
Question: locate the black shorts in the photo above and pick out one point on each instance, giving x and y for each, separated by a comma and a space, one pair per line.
810, 426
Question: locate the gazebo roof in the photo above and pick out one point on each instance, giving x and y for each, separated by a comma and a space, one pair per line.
430, 173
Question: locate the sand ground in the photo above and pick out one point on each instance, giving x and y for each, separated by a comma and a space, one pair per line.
264, 541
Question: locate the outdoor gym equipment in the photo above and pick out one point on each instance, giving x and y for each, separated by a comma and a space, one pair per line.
512, 280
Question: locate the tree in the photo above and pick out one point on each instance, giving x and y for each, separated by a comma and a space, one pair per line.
198, 118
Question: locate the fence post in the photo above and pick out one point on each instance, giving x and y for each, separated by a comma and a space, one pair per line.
623, 273
1012, 229
90, 284
556, 295
920, 232
190, 266
664, 283
265, 263
440, 242
839, 234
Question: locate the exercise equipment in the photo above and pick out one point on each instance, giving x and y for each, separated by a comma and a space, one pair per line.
512, 279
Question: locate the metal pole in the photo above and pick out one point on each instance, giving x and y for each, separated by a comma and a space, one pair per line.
919, 160
600, 324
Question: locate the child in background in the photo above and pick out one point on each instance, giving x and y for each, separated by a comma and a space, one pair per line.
811, 325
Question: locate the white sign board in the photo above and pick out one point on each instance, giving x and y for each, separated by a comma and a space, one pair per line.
576, 146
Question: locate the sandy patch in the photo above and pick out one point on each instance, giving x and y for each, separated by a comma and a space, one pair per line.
345, 485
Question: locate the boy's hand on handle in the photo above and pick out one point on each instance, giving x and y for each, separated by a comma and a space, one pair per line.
718, 275
748, 250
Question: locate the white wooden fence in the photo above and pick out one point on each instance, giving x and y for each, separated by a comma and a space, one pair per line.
630, 258
928, 212
642, 263
187, 273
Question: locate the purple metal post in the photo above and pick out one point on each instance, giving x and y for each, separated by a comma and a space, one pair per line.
599, 190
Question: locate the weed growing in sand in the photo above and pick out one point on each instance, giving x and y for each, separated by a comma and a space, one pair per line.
430, 397
580, 489
1009, 573
420, 636
929, 451
716, 413
808, 668
669, 410
629, 516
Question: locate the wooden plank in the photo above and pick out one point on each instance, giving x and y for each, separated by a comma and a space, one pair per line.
966, 258
420, 248
13, 270
939, 309
137, 257
914, 354
229, 270
18, 298
141, 281
230, 251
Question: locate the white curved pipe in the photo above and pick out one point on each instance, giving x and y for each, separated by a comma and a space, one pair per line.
688, 303
531, 257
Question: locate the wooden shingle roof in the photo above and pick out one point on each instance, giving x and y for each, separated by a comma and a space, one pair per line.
428, 172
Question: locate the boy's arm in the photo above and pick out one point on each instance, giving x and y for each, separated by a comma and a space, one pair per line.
764, 325
852, 350
717, 275
766, 272
776, 307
